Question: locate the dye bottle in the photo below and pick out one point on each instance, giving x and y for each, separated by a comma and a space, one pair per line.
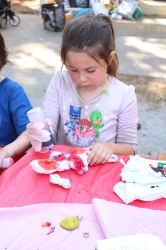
36, 115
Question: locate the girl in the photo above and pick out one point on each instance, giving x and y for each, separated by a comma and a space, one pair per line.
87, 105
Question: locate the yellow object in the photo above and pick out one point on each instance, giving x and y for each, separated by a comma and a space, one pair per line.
68, 16
70, 222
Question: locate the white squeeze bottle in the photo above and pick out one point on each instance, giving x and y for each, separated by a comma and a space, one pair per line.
6, 163
36, 115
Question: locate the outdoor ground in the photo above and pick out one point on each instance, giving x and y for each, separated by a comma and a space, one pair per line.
150, 90
25, 7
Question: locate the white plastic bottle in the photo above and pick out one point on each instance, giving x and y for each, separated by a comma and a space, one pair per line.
36, 115
6, 163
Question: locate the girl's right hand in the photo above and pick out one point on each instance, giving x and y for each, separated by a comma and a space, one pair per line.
36, 135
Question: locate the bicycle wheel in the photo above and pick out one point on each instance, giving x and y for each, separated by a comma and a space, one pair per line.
14, 21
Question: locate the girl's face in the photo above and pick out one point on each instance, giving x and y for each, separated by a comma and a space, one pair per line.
86, 71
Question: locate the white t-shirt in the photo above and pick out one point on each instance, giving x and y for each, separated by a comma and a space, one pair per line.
109, 117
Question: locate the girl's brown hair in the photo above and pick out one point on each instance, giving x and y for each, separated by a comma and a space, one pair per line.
94, 35
3, 53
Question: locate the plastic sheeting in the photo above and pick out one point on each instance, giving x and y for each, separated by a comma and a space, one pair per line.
20, 185
21, 228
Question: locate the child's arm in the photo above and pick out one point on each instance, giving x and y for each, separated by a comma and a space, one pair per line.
126, 135
18, 147
102, 151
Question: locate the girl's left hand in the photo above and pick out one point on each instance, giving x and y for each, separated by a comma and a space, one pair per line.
101, 152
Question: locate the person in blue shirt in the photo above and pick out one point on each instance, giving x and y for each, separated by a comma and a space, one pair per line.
14, 105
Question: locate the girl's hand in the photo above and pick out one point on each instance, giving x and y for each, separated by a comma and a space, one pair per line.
36, 135
100, 153
3, 154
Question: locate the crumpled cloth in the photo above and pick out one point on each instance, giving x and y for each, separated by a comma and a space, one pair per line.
72, 160
142, 179
56, 179
141, 170
129, 191
76, 158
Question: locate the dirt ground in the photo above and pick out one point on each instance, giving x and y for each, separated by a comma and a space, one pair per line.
27, 7
149, 90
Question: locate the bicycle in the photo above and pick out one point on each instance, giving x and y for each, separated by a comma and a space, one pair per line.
6, 14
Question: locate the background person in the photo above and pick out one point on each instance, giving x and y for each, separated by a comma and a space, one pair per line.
14, 105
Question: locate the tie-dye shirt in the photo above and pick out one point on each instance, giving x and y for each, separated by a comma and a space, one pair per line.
109, 117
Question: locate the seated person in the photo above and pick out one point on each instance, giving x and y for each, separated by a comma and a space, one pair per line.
14, 105
87, 104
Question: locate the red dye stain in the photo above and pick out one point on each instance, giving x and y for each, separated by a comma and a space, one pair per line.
46, 224
77, 150
48, 164
77, 162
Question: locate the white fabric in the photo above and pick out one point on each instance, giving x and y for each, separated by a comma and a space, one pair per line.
113, 158
56, 179
137, 242
141, 180
66, 163
138, 169
129, 192
83, 156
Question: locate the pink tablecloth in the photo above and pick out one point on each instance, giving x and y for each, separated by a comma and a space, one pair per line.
20, 185
21, 227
